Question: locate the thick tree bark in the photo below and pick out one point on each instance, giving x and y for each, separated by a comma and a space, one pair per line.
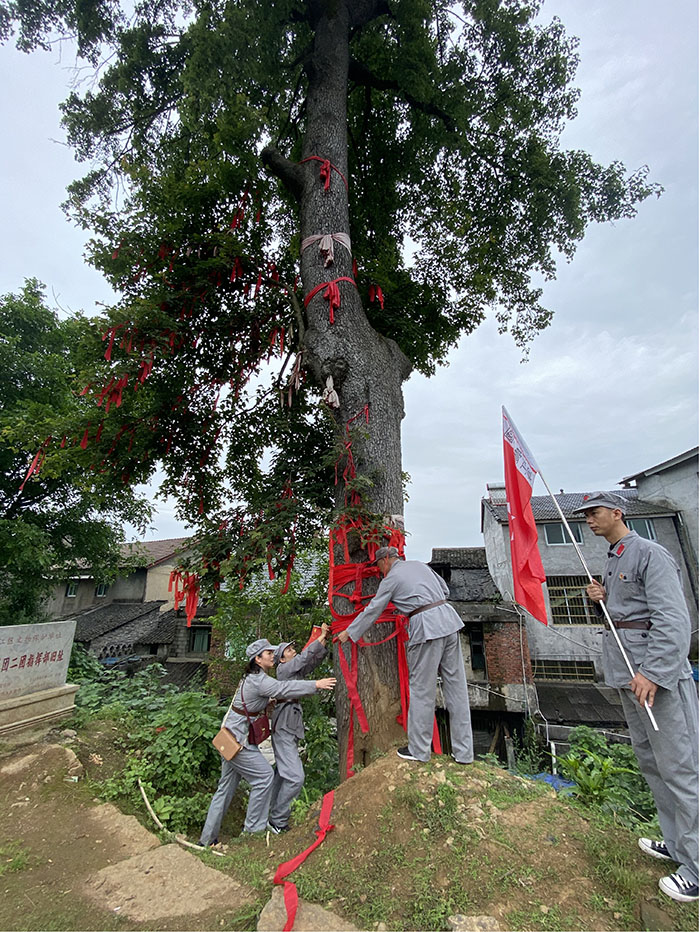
367, 369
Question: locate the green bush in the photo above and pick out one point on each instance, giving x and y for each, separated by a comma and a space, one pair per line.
608, 777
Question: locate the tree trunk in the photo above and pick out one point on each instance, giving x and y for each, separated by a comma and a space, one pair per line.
366, 368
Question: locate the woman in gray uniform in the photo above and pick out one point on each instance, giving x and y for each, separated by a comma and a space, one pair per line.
288, 728
254, 692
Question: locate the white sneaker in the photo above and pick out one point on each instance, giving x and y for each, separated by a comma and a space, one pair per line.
656, 849
678, 888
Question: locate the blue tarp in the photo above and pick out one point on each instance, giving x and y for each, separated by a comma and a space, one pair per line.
559, 783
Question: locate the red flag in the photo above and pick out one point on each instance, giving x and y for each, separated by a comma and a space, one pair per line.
528, 572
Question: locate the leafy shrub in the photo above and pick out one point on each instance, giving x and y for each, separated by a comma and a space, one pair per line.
608, 777
83, 666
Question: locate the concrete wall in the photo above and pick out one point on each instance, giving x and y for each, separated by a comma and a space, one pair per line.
679, 486
157, 584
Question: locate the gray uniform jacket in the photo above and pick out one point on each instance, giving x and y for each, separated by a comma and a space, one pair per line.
409, 585
287, 716
643, 583
258, 689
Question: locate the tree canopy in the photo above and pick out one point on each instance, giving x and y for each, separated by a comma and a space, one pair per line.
67, 518
207, 126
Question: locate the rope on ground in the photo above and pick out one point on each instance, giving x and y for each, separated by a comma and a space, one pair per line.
178, 838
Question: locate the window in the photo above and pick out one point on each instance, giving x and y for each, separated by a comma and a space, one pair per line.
476, 643
643, 526
101, 590
199, 640
569, 603
557, 533
72, 588
563, 670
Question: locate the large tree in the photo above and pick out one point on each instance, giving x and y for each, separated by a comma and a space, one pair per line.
221, 134
67, 519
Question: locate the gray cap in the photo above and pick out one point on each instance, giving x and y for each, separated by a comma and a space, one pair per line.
384, 552
257, 647
280, 649
602, 500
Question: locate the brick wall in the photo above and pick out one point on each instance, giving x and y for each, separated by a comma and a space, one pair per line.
504, 659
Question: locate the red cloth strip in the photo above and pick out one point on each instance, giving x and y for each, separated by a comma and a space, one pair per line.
326, 167
288, 867
331, 294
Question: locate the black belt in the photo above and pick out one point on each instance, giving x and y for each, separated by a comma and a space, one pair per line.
424, 608
638, 625
285, 700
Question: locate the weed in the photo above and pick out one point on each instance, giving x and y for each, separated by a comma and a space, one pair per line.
535, 918
13, 858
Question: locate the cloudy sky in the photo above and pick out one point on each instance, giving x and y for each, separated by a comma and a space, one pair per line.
609, 389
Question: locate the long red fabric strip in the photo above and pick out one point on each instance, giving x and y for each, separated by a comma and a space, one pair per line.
288, 867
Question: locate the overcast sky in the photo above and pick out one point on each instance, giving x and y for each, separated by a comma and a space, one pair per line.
609, 389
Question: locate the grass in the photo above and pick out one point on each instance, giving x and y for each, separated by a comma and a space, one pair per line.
13, 858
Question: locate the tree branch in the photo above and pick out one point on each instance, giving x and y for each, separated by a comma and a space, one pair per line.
289, 173
364, 77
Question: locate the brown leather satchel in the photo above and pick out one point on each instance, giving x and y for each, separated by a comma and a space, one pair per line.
226, 743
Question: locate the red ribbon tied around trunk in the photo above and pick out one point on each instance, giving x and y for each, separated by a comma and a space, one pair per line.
331, 294
325, 173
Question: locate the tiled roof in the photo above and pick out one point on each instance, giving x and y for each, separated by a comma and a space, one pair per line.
156, 551
580, 703
98, 621
543, 507
473, 558
185, 674
162, 629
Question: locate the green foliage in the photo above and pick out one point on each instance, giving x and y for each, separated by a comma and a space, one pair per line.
608, 777
168, 741
68, 516
530, 752
263, 609
83, 667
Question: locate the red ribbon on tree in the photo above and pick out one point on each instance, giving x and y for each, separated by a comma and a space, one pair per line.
186, 587
326, 168
331, 294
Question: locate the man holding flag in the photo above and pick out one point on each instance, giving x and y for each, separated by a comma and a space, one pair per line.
644, 597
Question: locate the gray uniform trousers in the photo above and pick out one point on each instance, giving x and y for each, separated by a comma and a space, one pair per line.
251, 766
288, 778
287, 732
425, 660
668, 759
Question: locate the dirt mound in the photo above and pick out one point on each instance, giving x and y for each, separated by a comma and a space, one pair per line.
68, 862
414, 844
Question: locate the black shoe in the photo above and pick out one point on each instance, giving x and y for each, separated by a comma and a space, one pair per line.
656, 849
464, 763
277, 829
678, 888
406, 755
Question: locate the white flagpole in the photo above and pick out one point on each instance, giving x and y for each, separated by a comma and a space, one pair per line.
602, 604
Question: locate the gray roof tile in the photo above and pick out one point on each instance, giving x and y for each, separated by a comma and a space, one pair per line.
543, 507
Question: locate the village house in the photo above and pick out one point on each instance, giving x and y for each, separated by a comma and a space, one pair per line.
133, 619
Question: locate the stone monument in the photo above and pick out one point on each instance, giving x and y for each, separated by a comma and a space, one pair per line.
33, 667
